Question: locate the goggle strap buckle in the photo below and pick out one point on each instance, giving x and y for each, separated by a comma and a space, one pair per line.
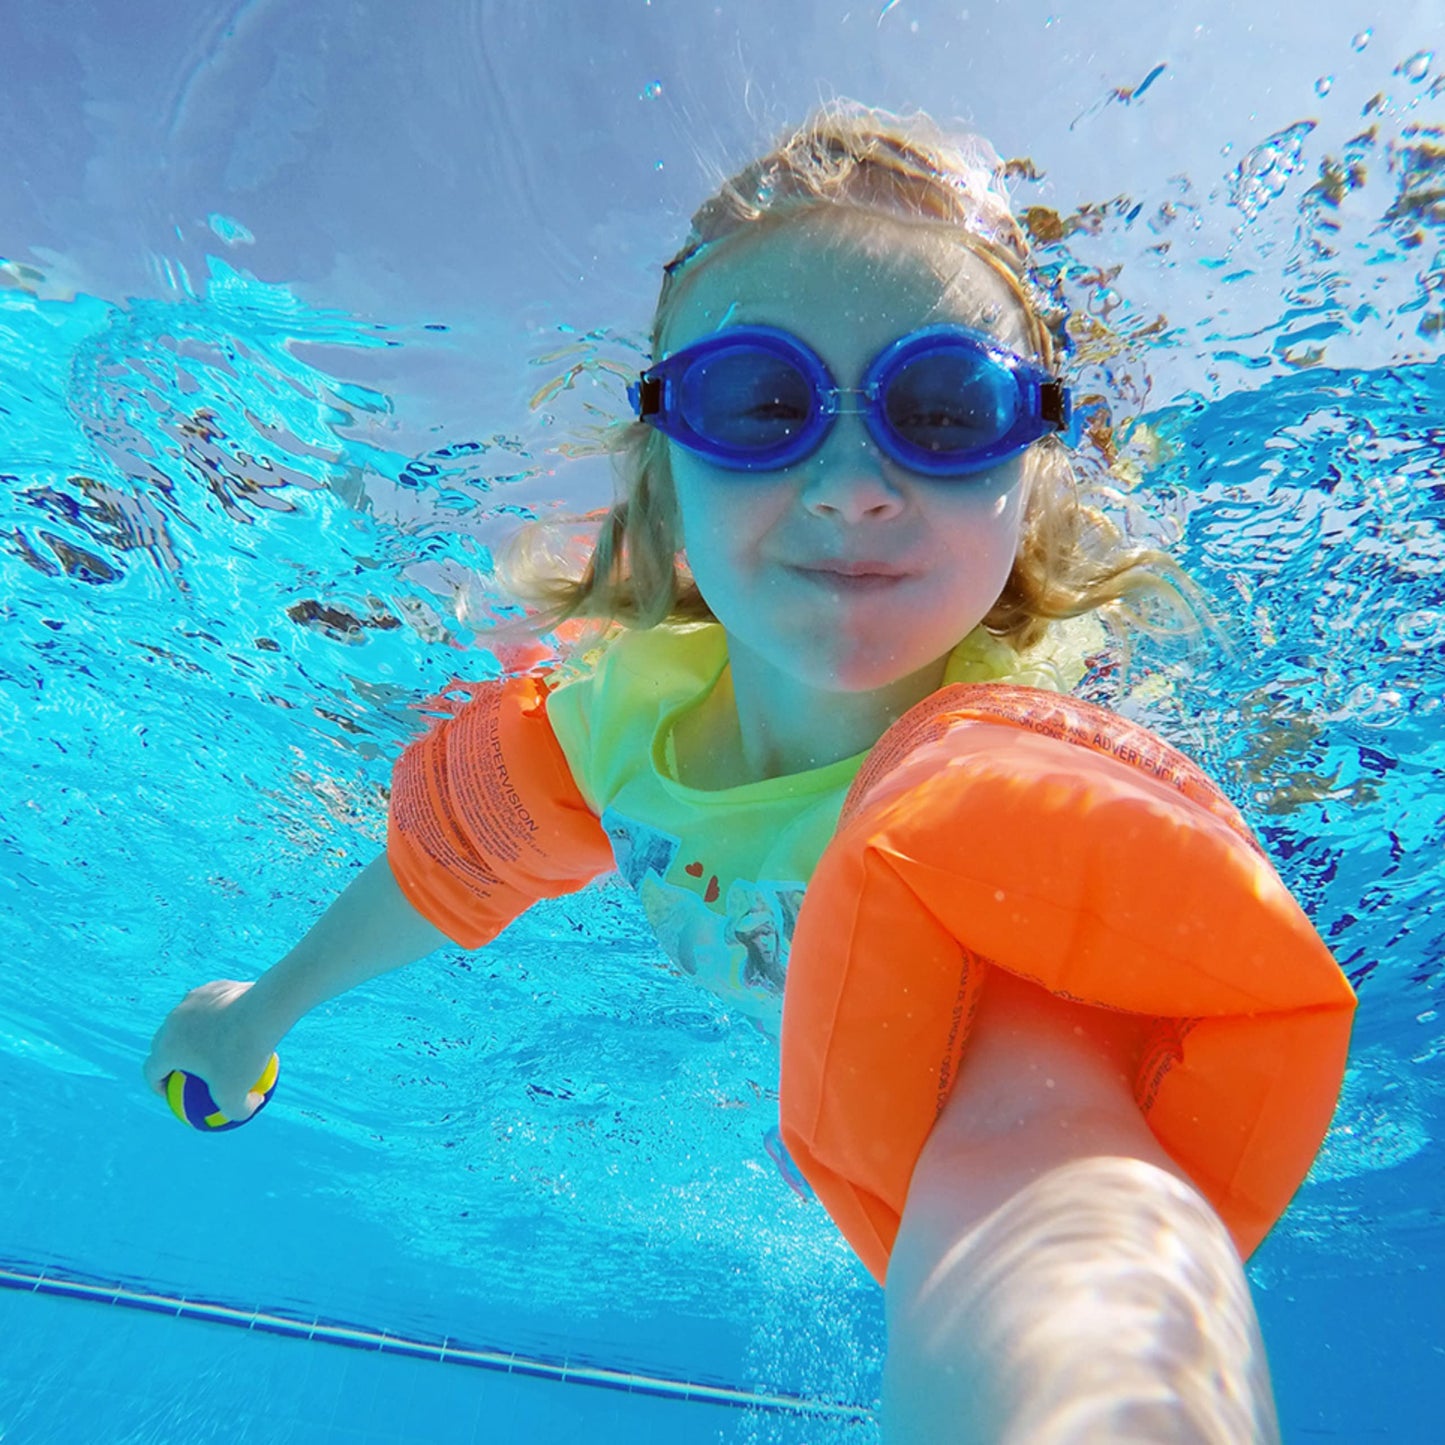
1054, 405
646, 396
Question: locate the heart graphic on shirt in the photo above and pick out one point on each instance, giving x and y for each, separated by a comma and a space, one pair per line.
693, 870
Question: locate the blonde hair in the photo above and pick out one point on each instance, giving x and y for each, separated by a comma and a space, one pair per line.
1072, 558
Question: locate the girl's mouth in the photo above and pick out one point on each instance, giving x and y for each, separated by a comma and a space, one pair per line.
851, 576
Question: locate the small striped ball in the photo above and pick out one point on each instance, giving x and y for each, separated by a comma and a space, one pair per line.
191, 1102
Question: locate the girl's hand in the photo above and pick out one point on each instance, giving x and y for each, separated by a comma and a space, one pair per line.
213, 1034
225, 1032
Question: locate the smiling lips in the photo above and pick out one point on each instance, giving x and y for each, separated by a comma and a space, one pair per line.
843, 572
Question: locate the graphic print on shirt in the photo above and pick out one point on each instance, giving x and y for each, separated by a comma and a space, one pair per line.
733, 940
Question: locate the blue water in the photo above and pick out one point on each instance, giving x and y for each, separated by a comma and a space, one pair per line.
252, 473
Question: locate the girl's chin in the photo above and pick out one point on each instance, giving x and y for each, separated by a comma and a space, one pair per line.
860, 675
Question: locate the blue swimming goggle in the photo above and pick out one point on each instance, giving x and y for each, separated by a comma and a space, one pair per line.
943, 401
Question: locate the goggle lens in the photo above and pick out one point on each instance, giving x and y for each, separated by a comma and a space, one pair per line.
746, 399
947, 401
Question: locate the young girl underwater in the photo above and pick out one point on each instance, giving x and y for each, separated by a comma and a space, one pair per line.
1057, 1045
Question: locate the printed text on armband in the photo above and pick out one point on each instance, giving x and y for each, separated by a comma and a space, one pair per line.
1146, 759
960, 1023
502, 778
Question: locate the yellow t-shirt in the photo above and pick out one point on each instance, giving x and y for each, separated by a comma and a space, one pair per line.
721, 874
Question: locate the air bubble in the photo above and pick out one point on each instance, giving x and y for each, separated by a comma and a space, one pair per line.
1362, 39
1324, 85
232, 232
1262, 175
1417, 67
1419, 630
1374, 707
650, 91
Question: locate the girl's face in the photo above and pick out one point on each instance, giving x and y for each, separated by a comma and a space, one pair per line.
846, 572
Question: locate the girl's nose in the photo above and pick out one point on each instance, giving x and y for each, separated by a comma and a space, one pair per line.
848, 480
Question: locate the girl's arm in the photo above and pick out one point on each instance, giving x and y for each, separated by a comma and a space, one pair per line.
369, 930
226, 1031
1056, 1277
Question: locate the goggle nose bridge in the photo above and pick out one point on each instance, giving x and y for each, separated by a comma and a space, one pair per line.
832, 400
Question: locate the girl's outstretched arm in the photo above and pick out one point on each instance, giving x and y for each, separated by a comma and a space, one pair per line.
226, 1031
1056, 1277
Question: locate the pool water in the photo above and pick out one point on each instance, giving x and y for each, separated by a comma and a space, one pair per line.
265, 419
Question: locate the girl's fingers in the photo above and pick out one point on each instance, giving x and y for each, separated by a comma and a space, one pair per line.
242, 1107
188, 1031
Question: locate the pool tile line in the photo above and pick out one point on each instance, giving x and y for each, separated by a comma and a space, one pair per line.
447, 1352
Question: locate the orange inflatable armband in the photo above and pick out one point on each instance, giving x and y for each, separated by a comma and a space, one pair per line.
1000, 826
486, 818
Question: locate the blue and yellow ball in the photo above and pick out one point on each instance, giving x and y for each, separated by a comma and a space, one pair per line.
191, 1102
